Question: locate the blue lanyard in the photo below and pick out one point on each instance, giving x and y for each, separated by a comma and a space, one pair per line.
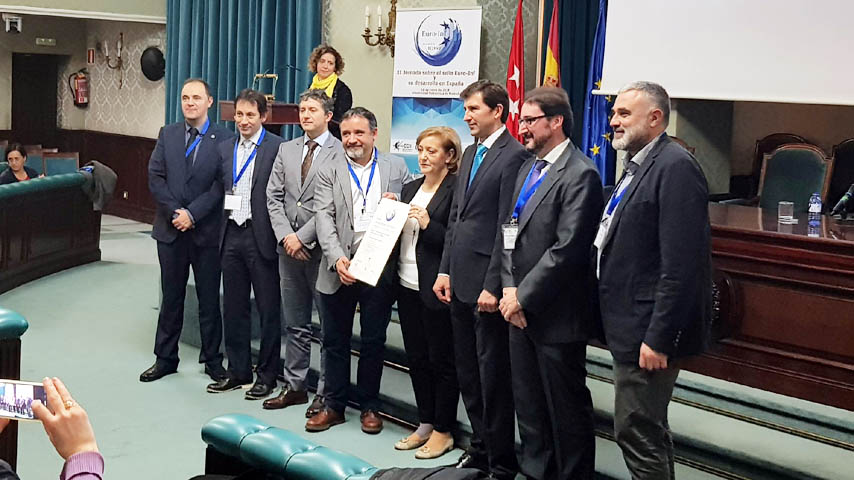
198, 138
615, 200
524, 196
370, 180
237, 177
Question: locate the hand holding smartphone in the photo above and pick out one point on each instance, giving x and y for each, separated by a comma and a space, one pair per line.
16, 399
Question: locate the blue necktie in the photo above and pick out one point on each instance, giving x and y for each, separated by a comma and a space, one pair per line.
478, 159
539, 165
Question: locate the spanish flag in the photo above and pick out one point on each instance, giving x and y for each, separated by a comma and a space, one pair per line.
551, 75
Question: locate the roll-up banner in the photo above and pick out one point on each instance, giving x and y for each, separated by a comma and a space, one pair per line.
436, 56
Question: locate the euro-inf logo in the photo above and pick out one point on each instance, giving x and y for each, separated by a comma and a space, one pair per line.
438, 40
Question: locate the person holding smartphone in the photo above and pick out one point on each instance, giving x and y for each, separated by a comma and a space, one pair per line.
67, 426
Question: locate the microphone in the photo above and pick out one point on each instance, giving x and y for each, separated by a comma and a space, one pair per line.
842, 204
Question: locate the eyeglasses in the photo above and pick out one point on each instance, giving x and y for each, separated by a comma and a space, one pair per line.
527, 122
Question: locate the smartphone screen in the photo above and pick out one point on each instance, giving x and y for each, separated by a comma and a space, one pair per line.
16, 399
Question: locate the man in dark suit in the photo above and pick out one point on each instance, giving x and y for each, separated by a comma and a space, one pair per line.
547, 238
470, 278
654, 269
346, 197
248, 250
184, 179
290, 202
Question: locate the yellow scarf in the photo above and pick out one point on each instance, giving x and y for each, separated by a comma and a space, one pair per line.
327, 84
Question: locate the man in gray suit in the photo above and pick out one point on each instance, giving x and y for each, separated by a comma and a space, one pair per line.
290, 201
545, 272
346, 198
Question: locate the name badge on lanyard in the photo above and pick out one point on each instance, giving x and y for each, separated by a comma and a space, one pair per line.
362, 219
511, 230
198, 139
233, 202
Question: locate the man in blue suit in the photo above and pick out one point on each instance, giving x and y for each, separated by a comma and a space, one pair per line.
185, 180
249, 257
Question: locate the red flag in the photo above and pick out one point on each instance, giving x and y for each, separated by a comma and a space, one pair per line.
551, 76
516, 74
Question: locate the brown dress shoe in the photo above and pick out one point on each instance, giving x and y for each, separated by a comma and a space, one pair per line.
315, 407
286, 398
323, 420
371, 422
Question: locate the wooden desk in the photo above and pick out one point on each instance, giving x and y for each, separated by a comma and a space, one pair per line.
785, 305
278, 114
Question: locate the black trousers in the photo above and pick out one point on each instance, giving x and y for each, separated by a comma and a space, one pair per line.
429, 342
336, 320
556, 411
641, 398
482, 356
175, 261
243, 267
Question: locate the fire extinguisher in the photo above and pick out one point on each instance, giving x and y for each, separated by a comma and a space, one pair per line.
78, 82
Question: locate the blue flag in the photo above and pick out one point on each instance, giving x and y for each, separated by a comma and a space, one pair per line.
597, 134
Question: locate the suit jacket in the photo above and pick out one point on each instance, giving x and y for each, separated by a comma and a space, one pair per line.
472, 253
198, 189
655, 280
262, 165
550, 262
334, 218
431, 240
291, 204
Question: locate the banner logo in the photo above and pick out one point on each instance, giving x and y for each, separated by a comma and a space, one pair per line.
438, 40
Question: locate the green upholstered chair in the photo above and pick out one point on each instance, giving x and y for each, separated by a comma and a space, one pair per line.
792, 173
35, 160
4, 166
843, 172
12, 326
239, 443
61, 162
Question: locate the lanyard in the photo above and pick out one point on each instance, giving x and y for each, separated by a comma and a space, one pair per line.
524, 196
198, 138
370, 180
615, 200
237, 177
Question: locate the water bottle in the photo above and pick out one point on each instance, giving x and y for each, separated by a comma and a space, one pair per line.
815, 210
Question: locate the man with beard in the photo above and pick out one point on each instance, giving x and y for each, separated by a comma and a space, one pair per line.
654, 268
346, 197
545, 266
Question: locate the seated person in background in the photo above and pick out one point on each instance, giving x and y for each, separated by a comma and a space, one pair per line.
17, 171
68, 428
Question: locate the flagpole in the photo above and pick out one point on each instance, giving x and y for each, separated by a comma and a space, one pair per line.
540, 18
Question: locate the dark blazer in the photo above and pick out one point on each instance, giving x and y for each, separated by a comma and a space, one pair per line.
262, 165
342, 99
472, 253
8, 176
199, 190
431, 240
550, 262
655, 281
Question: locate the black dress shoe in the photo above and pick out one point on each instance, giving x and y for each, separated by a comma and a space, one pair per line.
467, 460
157, 371
226, 385
259, 390
216, 372
315, 407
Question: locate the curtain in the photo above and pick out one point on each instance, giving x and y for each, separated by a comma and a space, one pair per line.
226, 42
577, 30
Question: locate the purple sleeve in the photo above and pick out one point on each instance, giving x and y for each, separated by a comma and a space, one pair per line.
83, 466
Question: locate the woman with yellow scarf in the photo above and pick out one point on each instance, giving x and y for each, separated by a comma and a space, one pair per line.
327, 65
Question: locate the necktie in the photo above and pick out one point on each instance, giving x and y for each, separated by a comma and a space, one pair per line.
478, 159
192, 157
306, 162
539, 165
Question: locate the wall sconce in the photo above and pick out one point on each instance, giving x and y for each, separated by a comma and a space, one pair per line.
116, 62
380, 38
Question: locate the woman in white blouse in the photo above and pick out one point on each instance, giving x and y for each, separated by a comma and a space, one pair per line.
425, 321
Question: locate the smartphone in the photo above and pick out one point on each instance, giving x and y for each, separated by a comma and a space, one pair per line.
16, 399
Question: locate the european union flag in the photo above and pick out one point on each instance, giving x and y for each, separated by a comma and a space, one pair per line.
596, 141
